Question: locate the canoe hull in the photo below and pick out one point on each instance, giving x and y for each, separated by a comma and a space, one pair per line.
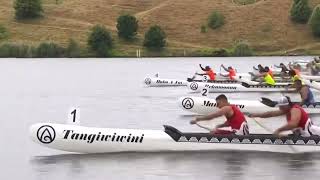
67, 138
205, 105
198, 87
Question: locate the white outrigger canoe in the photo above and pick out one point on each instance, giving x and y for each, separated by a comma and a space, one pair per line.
204, 105
162, 82
80, 139
243, 87
315, 78
311, 83
159, 82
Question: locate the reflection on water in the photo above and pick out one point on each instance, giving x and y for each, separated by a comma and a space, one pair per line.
187, 165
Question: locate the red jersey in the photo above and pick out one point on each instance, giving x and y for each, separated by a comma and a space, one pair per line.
232, 73
304, 116
211, 74
237, 119
271, 73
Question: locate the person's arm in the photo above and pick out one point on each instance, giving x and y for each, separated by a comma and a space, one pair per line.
255, 68
224, 68
203, 69
201, 74
267, 114
221, 112
304, 95
293, 123
225, 124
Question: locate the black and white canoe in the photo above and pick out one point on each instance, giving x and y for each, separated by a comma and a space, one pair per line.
198, 87
204, 105
80, 139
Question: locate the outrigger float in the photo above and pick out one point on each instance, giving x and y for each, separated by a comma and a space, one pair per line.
204, 105
243, 87
80, 139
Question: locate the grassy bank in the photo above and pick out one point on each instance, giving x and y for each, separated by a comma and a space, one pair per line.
264, 24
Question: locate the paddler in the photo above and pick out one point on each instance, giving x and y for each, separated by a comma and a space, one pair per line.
267, 69
284, 70
295, 75
208, 71
235, 118
231, 72
298, 120
305, 93
267, 78
283, 67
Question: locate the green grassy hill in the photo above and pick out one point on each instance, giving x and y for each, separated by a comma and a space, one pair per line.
265, 24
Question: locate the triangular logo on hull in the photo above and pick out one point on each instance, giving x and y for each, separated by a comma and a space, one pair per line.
267, 141
204, 140
193, 139
278, 141
214, 140
289, 141
300, 142
183, 139
225, 140
311, 142
246, 141
256, 141
235, 140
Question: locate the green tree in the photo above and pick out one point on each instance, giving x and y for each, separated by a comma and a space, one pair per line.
28, 9
127, 26
100, 41
155, 38
300, 11
215, 20
73, 50
242, 48
315, 21
3, 32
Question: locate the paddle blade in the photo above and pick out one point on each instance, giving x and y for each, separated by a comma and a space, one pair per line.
245, 84
268, 102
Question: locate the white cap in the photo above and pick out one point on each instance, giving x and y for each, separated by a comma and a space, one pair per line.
283, 101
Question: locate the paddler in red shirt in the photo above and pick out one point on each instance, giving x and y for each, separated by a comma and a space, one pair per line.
298, 120
235, 118
231, 72
208, 71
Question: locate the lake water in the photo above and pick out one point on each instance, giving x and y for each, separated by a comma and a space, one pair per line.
111, 93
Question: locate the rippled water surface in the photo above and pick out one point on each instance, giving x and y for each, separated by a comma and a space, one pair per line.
111, 93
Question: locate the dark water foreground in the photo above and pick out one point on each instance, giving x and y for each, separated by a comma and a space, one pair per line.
202, 165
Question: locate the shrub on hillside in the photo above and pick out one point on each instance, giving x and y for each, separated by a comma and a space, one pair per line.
27, 9
155, 38
73, 50
127, 26
216, 20
15, 50
49, 50
315, 21
210, 52
204, 29
242, 48
3, 32
221, 52
300, 11
100, 41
